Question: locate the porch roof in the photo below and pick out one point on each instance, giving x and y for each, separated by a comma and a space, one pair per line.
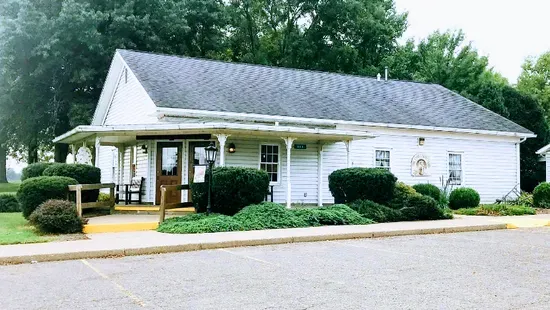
126, 133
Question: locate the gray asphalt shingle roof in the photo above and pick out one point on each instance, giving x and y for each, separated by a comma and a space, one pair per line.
191, 83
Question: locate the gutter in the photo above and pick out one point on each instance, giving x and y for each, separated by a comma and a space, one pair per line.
162, 112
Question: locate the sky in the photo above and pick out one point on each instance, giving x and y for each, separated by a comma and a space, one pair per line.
507, 31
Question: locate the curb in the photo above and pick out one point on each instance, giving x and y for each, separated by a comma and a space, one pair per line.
237, 243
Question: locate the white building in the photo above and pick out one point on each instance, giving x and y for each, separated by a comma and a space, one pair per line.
157, 113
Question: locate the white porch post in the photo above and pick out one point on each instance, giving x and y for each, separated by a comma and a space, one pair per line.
288, 142
348, 150
320, 175
120, 165
97, 145
222, 138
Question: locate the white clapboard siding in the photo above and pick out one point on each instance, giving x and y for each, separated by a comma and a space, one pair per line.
489, 166
130, 103
303, 167
108, 163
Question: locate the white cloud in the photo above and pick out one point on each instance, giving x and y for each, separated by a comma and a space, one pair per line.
507, 31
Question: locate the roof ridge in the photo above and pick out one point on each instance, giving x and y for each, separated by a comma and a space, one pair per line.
274, 67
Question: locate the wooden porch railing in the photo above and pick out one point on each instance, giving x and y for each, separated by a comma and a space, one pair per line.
164, 205
88, 187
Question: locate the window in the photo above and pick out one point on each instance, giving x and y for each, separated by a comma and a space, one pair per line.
269, 161
455, 169
382, 159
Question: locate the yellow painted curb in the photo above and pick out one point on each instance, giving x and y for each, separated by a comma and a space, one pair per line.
122, 227
511, 226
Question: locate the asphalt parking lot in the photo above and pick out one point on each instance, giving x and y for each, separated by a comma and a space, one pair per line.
505, 269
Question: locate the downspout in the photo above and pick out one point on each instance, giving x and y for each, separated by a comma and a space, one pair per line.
518, 163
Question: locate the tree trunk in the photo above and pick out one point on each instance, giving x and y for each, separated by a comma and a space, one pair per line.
33, 152
3, 168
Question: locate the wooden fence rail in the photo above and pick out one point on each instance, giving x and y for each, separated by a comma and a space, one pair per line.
165, 205
79, 188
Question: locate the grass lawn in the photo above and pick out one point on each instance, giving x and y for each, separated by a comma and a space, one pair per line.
15, 229
10, 188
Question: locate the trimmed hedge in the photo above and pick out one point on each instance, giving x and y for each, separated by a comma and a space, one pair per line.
268, 215
541, 196
84, 174
421, 208
9, 203
35, 170
350, 184
428, 190
376, 212
57, 217
331, 215
35, 191
500, 209
463, 197
200, 223
401, 195
233, 188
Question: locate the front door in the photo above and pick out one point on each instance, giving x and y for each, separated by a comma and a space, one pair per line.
169, 169
197, 157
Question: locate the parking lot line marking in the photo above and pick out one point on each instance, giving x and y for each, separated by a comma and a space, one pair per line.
249, 257
126, 292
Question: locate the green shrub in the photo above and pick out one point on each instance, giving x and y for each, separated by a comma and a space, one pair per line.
268, 215
57, 217
84, 174
331, 215
428, 190
9, 203
421, 208
463, 197
350, 184
498, 210
401, 195
233, 188
541, 196
200, 223
35, 170
35, 191
104, 197
375, 211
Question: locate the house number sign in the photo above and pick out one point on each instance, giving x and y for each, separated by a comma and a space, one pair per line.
300, 146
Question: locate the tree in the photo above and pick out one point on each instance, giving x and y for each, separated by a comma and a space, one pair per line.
535, 80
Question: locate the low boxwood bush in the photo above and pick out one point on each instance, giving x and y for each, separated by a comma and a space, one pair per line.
401, 195
428, 190
57, 217
541, 196
35, 191
9, 203
200, 223
498, 210
84, 174
376, 212
233, 188
331, 215
268, 215
463, 197
422, 208
35, 170
350, 184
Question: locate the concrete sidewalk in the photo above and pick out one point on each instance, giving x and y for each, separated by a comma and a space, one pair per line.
152, 242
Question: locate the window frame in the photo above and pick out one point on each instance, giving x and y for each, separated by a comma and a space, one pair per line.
462, 171
279, 176
381, 149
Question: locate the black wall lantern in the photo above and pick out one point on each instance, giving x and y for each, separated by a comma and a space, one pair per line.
232, 148
211, 153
